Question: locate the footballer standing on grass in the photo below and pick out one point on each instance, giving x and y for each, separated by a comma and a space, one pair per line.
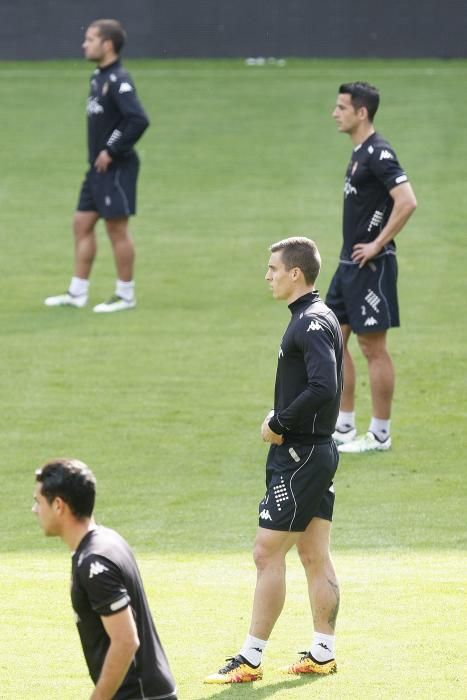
116, 120
378, 201
302, 460
121, 646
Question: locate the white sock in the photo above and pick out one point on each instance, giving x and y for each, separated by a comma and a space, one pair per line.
78, 287
322, 646
345, 421
381, 428
125, 290
252, 649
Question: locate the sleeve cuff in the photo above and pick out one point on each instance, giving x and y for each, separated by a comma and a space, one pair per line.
276, 426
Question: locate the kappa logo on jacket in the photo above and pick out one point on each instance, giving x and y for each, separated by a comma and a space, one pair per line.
314, 326
125, 87
96, 568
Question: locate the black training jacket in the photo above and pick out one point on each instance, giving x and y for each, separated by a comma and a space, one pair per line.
309, 373
116, 119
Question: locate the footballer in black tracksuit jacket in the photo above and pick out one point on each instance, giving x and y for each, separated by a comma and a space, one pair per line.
308, 388
116, 119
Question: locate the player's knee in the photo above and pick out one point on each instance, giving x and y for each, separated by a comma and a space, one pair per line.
83, 226
264, 557
372, 348
260, 556
313, 560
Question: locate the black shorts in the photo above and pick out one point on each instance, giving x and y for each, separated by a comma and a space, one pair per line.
298, 486
113, 193
366, 298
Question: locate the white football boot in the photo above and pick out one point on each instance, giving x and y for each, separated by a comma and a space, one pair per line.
67, 300
366, 443
341, 437
115, 303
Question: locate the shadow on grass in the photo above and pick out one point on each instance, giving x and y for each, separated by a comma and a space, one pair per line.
260, 691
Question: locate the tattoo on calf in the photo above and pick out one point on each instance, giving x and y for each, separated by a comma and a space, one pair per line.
333, 613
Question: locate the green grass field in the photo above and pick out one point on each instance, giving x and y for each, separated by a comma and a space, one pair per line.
165, 402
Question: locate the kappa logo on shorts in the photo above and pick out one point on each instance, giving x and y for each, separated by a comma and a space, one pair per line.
265, 515
96, 568
371, 321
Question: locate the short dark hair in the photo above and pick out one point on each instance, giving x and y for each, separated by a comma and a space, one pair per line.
362, 95
70, 480
300, 252
112, 30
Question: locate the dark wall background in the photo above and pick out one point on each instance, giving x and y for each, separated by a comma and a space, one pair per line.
45, 29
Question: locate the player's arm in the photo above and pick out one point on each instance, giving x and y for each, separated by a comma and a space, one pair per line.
124, 643
404, 206
133, 123
134, 120
320, 362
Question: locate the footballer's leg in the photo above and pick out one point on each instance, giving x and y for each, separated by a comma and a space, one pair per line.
323, 590
336, 300
270, 549
84, 230
345, 426
380, 370
84, 223
382, 381
123, 247
124, 255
